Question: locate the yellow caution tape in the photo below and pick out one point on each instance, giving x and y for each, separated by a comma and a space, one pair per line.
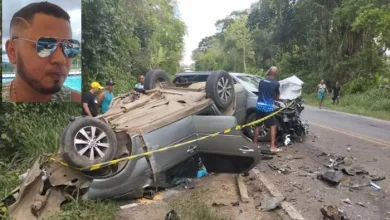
116, 161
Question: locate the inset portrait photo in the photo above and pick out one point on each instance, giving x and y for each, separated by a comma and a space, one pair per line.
41, 51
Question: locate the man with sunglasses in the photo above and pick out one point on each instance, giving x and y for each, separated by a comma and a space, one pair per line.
41, 49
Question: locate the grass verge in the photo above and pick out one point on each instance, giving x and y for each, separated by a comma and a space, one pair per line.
360, 104
193, 206
88, 210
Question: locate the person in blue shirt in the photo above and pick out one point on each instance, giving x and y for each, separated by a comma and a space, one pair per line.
106, 96
268, 93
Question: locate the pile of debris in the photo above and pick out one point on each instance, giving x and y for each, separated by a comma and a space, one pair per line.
340, 167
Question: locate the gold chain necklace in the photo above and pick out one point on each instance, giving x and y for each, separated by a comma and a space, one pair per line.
13, 88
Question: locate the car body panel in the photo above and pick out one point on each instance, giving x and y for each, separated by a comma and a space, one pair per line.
241, 97
178, 132
229, 149
130, 179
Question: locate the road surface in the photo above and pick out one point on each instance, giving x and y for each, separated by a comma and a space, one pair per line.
365, 140
355, 125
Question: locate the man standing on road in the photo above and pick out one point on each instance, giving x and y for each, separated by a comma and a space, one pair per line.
268, 92
336, 93
90, 107
320, 90
105, 97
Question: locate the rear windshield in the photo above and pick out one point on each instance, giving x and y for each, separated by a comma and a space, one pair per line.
190, 79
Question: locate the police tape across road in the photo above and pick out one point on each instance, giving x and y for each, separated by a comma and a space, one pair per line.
128, 158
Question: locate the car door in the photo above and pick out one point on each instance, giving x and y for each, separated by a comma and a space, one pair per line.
180, 131
225, 153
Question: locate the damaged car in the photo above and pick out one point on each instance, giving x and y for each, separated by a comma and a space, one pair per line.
164, 115
290, 127
142, 122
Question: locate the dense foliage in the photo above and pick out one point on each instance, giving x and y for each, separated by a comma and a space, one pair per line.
337, 40
123, 39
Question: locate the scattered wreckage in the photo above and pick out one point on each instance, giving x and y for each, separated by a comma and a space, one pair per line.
140, 122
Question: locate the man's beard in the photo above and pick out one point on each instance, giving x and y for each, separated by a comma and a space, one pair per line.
33, 83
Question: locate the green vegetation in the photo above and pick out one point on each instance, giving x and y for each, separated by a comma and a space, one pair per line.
372, 103
335, 40
134, 37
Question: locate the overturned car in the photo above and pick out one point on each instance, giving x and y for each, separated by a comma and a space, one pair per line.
141, 122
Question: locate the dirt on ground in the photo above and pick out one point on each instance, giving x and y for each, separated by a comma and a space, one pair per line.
295, 173
213, 197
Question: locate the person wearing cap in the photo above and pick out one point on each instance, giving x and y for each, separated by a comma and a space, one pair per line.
105, 97
90, 107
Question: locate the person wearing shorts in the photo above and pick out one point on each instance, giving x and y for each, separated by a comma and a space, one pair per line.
268, 92
320, 90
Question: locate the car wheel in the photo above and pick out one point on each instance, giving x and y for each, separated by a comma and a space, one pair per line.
264, 135
88, 141
220, 88
62, 136
154, 78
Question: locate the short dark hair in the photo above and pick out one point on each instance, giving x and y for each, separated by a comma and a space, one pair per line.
29, 11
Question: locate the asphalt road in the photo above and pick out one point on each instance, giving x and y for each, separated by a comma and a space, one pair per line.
365, 140
364, 128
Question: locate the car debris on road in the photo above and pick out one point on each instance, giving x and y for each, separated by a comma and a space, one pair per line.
332, 212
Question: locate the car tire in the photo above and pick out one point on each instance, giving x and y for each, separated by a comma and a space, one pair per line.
62, 136
154, 77
249, 131
220, 88
104, 142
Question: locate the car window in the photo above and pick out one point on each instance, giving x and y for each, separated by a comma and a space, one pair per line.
190, 79
249, 81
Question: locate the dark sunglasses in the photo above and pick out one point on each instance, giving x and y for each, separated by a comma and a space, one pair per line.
45, 46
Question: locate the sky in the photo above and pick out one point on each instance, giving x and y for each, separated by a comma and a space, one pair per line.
73, 7
200, 17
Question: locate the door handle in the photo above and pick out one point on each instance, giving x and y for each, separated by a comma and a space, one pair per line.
191, 149
246, 149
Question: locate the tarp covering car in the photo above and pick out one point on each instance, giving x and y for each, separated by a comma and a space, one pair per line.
290, 88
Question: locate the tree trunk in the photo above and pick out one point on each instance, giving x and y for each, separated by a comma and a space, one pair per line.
243, 59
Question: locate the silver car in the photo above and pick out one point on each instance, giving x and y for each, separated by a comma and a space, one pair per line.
246, 97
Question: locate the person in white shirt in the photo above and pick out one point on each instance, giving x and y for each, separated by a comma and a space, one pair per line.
320, 90
140, 85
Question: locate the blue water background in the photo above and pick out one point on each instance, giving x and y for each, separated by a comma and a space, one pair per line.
72, 81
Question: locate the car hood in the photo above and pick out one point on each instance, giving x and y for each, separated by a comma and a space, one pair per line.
290, 88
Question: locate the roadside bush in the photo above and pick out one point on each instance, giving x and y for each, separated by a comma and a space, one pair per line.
30, 129
359, 85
